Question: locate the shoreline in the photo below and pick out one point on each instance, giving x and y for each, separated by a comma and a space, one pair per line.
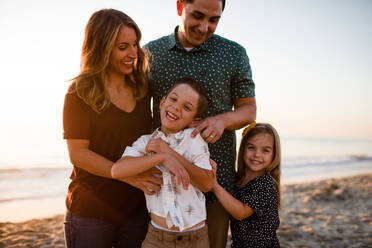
325, 213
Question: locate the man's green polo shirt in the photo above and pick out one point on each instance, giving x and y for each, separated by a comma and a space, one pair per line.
222, 67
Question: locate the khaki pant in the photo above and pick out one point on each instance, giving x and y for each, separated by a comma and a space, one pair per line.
157, 238
218, 224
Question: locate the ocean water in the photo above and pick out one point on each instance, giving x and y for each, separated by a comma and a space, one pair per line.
34, 181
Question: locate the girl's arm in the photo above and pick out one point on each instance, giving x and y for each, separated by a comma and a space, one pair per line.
236, 208
129, 166
199, 177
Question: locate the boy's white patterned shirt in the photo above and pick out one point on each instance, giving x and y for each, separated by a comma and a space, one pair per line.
181, 208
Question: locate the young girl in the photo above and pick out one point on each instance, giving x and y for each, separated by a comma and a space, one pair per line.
177, 211
255, 200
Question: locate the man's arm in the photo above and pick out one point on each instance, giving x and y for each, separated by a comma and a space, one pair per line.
212, 127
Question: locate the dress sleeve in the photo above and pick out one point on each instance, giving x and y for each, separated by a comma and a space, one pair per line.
199, 152
138, 147
262, 198
242, 85
76, 121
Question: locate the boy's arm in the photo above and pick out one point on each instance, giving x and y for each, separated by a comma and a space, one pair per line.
129, 166
200, 178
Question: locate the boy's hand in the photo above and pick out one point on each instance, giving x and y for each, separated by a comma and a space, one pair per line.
178, 170
157, 145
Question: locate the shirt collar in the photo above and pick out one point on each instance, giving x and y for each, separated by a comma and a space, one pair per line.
174, 43
173, 136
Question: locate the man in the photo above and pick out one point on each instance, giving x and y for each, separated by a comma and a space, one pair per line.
222, 67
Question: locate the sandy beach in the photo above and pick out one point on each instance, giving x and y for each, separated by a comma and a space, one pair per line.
327, 213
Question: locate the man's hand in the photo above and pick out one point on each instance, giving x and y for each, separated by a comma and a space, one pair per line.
210, 128
149, 181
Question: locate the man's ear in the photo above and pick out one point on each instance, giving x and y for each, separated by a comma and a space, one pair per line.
179, 7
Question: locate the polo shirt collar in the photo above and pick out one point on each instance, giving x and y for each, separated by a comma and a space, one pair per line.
173, 42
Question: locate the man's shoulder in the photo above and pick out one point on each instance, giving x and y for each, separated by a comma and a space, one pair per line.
225, 43
162, 41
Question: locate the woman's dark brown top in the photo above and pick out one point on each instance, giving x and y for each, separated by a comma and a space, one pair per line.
108, 133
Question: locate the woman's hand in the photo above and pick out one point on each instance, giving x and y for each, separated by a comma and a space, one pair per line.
148, 181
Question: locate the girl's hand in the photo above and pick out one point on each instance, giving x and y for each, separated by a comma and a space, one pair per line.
158, 145
214, 171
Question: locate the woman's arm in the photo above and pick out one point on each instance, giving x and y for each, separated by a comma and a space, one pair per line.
82, 157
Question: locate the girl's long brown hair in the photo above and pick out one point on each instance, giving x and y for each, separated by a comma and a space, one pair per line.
100, 36
273, 170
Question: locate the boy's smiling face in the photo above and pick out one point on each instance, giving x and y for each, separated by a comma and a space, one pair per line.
178, 109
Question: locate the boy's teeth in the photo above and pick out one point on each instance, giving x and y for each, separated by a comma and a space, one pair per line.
171, 116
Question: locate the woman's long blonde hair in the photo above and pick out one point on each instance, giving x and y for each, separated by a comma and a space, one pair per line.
273, 170
100, 36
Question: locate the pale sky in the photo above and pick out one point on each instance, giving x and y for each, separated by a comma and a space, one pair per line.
311, 60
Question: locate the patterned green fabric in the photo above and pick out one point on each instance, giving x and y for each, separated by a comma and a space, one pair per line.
222, 67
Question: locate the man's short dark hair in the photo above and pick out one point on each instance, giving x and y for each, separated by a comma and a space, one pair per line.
191, 1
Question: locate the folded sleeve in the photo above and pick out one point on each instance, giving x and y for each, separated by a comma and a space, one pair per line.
199, 153
138, 148
242, 85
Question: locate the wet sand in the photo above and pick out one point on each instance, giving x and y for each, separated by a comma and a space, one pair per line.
327, 213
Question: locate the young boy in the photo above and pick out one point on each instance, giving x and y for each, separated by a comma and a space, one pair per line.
178, 210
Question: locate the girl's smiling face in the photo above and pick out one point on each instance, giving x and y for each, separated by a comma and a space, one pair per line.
178, 109
259, 152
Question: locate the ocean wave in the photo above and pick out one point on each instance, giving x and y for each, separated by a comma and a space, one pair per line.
324, 161
26, 198
35, 169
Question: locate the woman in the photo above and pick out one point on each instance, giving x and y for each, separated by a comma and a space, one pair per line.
107, 107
